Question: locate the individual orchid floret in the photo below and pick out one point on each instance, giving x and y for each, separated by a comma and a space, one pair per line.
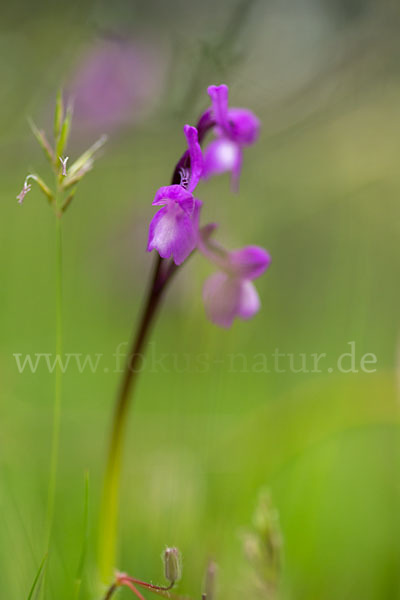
174, 229
230, 292
235, 128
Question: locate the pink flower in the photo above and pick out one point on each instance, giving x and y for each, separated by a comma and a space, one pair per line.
174, 229
116, 81
230, 292
235, 128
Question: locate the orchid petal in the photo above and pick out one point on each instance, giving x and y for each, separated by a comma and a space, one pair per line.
222, 155
244, 126
249, 262
176, 193
221, 295
173, 233
228, 297
236, 170
196, 156
249, 303
196, 215
219, 100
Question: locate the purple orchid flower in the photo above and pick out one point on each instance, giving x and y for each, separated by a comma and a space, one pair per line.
230, 292
235, 128
174, 229
116, 81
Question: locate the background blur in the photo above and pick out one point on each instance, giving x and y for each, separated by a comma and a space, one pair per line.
320, 191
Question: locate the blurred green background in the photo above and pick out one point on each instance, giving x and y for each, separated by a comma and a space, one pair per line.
320, 191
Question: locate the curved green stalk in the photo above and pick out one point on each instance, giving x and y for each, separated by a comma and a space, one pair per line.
110, 500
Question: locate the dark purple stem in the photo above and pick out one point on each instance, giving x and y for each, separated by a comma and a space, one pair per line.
158, 284
162, 275
110, 591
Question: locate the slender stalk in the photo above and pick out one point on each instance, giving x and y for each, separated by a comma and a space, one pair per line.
134, 589
151, 586
132, 582
110, 591
162, 275
58, 382
109, 515
55, 440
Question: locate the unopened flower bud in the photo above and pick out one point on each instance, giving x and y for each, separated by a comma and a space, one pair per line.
172, 564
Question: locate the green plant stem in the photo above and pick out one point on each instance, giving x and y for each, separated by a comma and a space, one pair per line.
162, 274
55, 442
110, 501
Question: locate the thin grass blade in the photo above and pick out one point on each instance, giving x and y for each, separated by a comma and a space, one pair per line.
38, 580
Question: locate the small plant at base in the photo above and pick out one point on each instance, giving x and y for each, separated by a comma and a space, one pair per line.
172, 571
263, 549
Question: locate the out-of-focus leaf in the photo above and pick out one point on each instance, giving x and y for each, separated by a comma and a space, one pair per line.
43, 141
64, 133
85, 535
34, 591
58, 115
86, 157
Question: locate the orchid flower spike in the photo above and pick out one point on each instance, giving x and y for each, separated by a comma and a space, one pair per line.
230, 292
235, 128
174, 229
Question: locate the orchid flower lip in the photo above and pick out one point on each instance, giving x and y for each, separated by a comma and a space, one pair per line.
230, 293
173, 231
